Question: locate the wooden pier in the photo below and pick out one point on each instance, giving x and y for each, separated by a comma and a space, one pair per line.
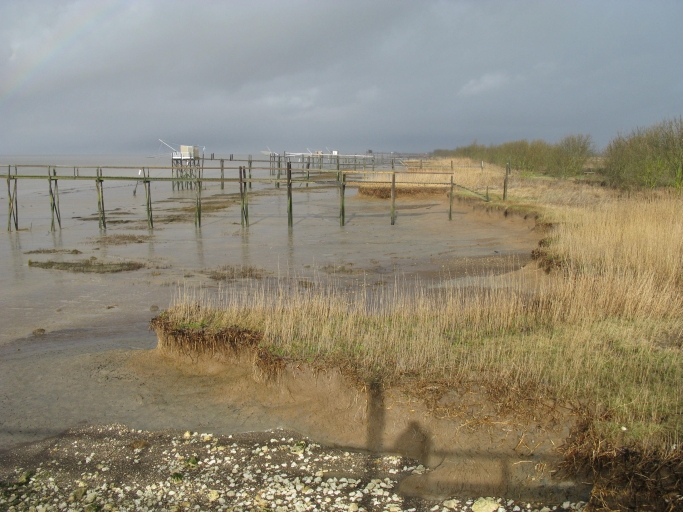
327, 172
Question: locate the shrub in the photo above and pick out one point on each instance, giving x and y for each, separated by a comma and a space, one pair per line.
565, 158
569, 156
647, 157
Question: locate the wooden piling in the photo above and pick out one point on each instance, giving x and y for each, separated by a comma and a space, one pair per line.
54, 199
450, 199
198, 205
505, 181
222, 174
246, 198
241, 181
12, 202
342, 190
57, 211
393, 198
308, 171
290, 216
100, 199
249, 171
279, 167
148, 196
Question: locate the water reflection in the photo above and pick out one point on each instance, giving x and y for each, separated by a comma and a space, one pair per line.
246, 258
200, 247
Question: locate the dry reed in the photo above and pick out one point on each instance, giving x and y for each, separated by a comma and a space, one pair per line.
603, 330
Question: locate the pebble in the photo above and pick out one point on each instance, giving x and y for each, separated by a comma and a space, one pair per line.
175, 471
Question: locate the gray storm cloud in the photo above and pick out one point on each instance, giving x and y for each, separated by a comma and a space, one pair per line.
111, 76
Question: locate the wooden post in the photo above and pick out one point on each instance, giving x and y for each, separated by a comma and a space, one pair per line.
308, 171
279, 167
249, 175
9, 200
57, 212
505, 182
241, 196
246, 198
148, 195
54, 200
451, 165
100, 199
13, 204
338, 177
487, 195
222, 174
393, 198
198, 205
290, 218
450, 206
342, 189
482, 166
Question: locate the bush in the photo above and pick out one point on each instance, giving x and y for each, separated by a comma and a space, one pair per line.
569, 156
565, 158
648, 157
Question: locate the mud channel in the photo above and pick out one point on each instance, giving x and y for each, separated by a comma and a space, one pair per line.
75, 348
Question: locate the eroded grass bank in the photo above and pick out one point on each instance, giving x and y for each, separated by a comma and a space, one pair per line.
601, 332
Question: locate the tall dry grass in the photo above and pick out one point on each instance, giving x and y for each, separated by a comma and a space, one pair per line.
436, 173
604, 329
526, 191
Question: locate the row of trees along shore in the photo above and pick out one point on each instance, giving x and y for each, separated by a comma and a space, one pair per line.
645, 157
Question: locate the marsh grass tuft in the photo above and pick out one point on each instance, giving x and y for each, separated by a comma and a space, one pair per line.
88, 266
54, 251
232, 272
121, 239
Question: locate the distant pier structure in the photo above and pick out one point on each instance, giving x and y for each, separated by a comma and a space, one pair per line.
185, 163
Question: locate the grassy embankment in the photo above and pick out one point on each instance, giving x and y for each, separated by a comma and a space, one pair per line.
602, 332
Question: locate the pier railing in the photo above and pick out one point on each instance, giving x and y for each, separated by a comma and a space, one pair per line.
281, 171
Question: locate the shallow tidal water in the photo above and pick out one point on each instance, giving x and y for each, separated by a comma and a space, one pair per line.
51, 382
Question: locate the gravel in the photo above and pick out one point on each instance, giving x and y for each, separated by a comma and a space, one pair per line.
115, 468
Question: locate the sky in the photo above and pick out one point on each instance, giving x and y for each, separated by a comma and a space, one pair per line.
114, 76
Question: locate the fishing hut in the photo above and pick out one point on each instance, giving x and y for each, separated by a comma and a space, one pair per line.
186, 163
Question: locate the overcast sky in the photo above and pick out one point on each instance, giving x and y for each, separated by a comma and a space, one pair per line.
89, 76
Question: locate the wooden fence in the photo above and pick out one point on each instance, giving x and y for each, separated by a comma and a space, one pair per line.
337, 174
